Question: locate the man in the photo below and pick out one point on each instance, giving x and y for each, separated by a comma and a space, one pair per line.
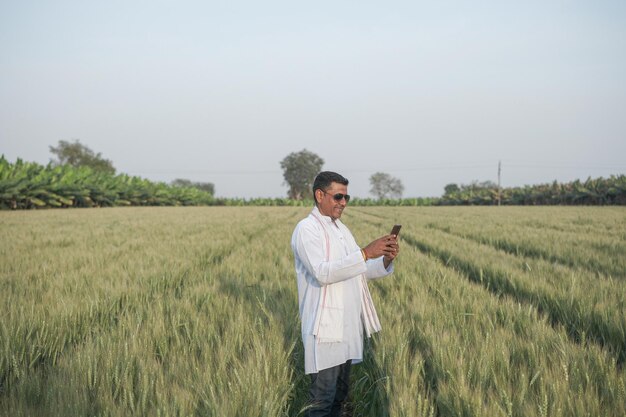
335, 303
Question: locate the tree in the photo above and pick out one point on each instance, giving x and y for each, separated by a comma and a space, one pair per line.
299, 171
478, 185
76, 154
386, 186
203, 186
451, 189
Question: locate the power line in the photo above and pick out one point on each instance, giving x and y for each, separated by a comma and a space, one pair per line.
362, 170
567, 166
203, 172
230, 172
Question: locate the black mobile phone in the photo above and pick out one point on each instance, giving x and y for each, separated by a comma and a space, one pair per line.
396, 230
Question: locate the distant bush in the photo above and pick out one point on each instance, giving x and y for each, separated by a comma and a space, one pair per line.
599, 191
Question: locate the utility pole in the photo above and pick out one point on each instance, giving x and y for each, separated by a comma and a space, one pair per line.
499, 189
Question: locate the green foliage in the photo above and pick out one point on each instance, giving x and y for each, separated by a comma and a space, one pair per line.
599, 191
416, 201
451, 189
299, 171
78, 155
385, 186
25, 185
203, 186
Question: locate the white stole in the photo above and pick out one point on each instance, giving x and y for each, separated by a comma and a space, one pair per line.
328, 326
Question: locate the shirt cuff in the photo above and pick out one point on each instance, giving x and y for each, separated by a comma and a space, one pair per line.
376, 268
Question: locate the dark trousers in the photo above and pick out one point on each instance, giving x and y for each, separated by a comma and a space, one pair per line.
329, 389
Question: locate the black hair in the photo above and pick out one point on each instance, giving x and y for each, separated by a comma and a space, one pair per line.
324, 179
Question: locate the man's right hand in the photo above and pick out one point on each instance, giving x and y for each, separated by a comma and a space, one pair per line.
384, 246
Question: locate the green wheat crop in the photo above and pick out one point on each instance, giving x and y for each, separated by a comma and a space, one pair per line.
192, 311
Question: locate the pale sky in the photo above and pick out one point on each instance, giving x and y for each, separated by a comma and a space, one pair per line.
221, 91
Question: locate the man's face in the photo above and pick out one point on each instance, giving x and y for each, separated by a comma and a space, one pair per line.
326, 202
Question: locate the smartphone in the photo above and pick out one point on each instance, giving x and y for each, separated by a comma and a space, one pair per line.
396, 230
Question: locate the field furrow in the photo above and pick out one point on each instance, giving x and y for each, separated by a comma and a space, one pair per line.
565, 296
599, 256
485, 355
194, 311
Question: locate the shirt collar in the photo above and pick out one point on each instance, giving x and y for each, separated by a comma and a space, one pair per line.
316, 211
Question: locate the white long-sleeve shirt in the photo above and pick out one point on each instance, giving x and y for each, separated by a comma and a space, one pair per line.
326, 254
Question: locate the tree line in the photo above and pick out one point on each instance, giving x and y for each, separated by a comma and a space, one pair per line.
593, 191
300, 169
27, 185
79, 177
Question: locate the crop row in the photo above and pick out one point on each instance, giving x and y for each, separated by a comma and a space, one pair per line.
596, 244
589, 307
476, 351
598, 251
194, 312
178, 346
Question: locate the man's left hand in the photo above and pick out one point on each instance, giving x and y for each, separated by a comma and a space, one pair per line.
393, 253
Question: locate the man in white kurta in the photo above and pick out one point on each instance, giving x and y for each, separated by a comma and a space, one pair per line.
336, 308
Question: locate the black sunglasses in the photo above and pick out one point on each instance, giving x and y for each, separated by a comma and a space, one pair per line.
338, 196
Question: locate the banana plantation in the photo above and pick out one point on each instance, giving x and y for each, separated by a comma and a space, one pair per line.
599, 191
28, 185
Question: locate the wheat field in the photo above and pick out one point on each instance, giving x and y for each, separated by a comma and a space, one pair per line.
192, 311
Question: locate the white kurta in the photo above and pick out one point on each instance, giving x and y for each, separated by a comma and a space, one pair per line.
337, 262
